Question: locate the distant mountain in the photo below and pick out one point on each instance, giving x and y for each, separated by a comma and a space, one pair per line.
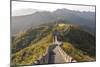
21, 12
85, 19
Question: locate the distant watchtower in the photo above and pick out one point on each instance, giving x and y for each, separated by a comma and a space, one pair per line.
57, 38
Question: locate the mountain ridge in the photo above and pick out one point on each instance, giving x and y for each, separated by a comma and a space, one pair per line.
73, 43
81, 18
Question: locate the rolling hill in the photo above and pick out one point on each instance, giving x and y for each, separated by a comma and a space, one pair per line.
29, 45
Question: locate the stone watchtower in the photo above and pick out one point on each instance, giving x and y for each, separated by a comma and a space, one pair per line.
57, 38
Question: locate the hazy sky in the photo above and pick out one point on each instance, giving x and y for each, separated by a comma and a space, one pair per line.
68, 1
16, 5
